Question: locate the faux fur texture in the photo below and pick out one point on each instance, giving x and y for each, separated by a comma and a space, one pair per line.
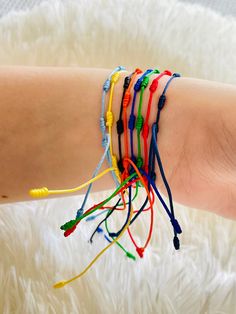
201, 277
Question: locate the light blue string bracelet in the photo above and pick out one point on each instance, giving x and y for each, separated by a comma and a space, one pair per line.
105, 140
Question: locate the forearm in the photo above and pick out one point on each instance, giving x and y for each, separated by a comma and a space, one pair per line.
50, 133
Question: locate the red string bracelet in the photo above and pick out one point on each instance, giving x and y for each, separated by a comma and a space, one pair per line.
145, 132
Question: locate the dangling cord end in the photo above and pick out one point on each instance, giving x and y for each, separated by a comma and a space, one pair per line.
140, 251
131, 256
60, 284
176, 242
69, 231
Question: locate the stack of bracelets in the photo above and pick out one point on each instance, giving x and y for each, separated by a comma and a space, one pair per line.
129, 171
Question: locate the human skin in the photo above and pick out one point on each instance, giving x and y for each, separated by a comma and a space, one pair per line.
50, 135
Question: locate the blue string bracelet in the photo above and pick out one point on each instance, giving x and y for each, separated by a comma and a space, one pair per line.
154, 152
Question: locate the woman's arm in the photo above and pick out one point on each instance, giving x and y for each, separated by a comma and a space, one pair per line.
50, 136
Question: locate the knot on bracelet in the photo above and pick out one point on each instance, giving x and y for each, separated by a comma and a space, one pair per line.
132, 122
139, 123
106, 85
79, 212
137, 85
109, 117
126, 100
139, 162
102, 125
120, 126
125, 165
104, 141
145, 130
115, 165
145, 82
115, 77
161, 101
126, 82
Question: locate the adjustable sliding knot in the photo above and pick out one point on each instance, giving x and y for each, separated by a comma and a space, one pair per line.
145, 130
109, 116
126, 82
137, 85
145, 82
126, 165
104, 142
153, 86
115, 77
126, 100
102, 124
139, 123
120, 126
161, 101
79, 213
106, 85
132, 122
140, 251
115, 165
176, 75
139, 162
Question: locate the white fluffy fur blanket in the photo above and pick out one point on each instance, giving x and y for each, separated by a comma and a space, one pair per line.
201, 277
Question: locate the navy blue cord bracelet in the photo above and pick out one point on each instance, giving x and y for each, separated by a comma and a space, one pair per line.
154, 152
